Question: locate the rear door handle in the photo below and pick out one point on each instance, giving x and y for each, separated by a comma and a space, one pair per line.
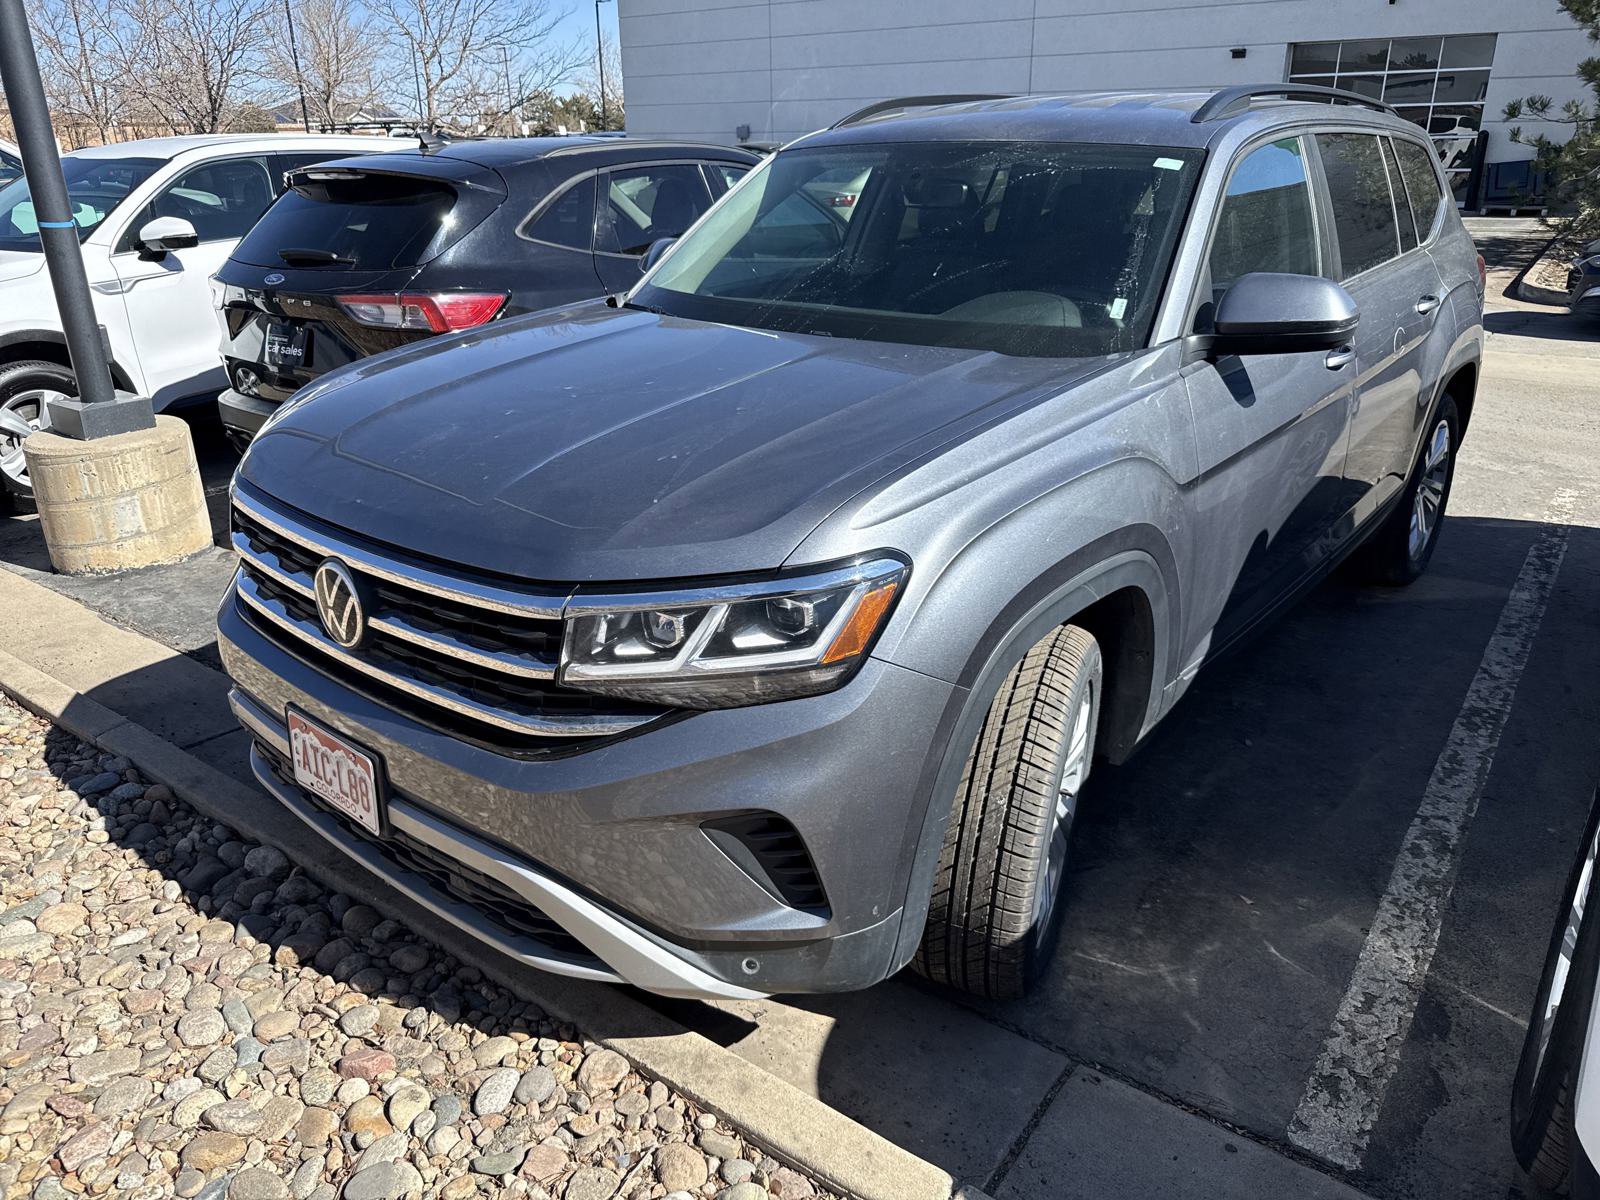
1426, 305
1341, 358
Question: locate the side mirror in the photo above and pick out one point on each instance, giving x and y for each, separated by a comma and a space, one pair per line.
1268, 313
163, 234
653, 255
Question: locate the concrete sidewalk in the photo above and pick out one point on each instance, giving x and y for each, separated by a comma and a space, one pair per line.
1029, 1121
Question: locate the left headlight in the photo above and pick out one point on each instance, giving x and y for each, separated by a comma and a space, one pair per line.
735, 644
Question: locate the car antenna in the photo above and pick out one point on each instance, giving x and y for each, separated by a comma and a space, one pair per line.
432, 139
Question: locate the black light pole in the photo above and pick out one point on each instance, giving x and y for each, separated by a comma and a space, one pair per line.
299, 79
100, 410
600, 57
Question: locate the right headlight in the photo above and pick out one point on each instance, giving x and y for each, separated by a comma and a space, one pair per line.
735, 644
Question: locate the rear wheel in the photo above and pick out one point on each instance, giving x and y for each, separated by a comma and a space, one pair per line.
1542, 1094
1401, 548
24, 389
995, 910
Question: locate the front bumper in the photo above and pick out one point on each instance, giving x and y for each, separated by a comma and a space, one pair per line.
244, 414
608, 842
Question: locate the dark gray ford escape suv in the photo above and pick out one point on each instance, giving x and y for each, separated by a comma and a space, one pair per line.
756, 630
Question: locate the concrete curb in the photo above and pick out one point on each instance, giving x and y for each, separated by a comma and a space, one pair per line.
793, 1126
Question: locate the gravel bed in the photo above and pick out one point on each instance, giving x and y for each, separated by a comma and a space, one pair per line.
183, 1013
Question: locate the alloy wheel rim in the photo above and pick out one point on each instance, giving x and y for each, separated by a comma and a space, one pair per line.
1074, 770
1569, 949
30, 406
1428, 503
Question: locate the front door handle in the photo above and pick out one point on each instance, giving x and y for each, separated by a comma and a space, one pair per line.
1426, 305
1341, 358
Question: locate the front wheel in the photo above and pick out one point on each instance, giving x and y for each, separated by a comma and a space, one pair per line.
1542, 1130
995, 910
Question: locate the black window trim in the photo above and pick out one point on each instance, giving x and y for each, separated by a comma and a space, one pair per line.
594, 173
130, 230
1442, 184
1399, 256
1327, 246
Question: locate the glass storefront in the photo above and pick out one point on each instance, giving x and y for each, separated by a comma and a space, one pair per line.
1438, 82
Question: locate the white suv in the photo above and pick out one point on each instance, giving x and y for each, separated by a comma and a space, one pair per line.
156, 219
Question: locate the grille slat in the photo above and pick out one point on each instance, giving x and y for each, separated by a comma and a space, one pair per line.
461, 657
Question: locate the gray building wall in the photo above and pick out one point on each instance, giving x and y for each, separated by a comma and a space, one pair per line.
702, 68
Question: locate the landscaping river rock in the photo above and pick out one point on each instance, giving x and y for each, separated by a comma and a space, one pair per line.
183, 1013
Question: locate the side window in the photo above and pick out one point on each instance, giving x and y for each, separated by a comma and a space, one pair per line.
1363, 207
1421, 182
222, 200
722, 175
569, 220
643, 204
1402, 206
1267, 222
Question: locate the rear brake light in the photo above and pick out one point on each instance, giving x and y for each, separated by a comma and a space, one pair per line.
428, 312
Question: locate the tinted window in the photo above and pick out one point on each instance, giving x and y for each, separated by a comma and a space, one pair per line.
724, 175
569, 221
95, 187
1019, 247
1402, 206
645, 204
1363, 209
1266, 223
10, 167
222, 200
1421, 184
376, 222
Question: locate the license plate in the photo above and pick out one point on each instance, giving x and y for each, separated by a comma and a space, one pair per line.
343, 775
285, 345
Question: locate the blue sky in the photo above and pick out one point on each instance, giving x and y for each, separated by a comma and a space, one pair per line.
579, 20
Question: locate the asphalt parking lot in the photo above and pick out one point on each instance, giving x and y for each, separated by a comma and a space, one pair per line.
1235, 891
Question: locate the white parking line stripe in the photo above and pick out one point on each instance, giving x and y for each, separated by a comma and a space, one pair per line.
1345, 1093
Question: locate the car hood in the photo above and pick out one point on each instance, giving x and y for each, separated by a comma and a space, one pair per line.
611, 444
19, 264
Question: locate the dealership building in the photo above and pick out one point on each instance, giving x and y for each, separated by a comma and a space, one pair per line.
770, 70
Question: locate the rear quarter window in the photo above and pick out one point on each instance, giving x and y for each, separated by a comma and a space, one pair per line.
376, 223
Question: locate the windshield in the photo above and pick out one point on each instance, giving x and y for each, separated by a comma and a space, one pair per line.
95, 186
1057, 249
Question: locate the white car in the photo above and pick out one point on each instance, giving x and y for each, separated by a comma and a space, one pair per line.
10, 162
1555, 1099
156, 219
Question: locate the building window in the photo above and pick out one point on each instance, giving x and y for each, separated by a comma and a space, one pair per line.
1437, 82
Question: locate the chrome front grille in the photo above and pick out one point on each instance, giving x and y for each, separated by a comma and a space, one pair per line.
464, 654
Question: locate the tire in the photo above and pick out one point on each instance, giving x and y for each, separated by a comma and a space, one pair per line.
995, 910
16, 380
1394, 556
1542, 1131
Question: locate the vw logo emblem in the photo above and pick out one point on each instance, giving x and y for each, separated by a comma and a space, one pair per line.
273, 280
339, 604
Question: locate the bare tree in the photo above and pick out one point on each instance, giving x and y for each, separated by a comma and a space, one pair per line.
337, 50
608, 105
86, 51
473, 62
198, 58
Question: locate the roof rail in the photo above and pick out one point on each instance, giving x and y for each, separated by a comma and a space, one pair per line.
904, 102
1231, 101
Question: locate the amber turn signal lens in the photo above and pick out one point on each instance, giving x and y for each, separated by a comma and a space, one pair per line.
863, 623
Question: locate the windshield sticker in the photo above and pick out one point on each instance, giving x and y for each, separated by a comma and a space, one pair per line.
1168, 164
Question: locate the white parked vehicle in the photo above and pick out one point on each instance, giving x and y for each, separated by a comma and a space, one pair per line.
1555, 1100
10, 162
156, 218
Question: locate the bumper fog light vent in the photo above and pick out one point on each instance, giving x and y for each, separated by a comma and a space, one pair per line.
770, 850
